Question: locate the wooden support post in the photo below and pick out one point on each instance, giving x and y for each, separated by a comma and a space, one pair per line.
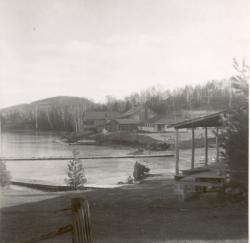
82, 232
0, 136
193, 149
217, 145
177, 152
206, 147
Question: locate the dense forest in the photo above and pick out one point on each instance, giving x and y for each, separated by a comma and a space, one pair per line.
67, 113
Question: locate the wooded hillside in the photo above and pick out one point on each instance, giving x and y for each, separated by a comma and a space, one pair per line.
57, 113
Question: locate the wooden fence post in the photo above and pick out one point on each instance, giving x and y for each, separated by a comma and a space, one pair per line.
82, 232
206, 147
177, 152
193, 148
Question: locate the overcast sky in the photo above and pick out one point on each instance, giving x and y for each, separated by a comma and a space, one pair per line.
94, 48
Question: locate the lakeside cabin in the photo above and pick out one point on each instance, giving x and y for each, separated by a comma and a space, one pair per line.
131, 119
200, 179
160, 123
98, 119
144, 119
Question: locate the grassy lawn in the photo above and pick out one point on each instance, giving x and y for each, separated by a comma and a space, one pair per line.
143, 213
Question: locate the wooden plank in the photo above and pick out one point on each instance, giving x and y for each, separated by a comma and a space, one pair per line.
193, 149
207, 175
82, 231
86, 157
177, 152
197, 183
206, 147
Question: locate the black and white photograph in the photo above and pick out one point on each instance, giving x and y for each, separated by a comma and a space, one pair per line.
124, 121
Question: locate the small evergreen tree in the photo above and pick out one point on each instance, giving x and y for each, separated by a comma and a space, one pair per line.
76, 176
4, 175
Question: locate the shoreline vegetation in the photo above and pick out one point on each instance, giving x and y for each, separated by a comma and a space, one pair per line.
125, 139
131, 139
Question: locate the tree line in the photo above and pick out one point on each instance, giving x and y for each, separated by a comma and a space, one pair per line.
214, 95
67, 113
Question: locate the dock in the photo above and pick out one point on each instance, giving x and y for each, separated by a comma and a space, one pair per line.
86, 157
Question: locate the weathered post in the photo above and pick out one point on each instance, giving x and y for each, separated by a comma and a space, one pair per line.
217, 145
177, 152
206, 147
193, 148
0, 136
82, 232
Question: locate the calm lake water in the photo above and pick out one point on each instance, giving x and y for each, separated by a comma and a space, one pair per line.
98, 172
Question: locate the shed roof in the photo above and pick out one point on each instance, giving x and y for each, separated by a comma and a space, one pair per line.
212, 120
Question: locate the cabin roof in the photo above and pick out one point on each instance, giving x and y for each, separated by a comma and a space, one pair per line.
126, 121
168, 119
100, 115
132, 111
212, 120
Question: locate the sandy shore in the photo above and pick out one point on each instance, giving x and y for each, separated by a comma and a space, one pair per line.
146, 212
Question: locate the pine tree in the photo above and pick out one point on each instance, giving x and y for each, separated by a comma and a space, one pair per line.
76, 176
235, 136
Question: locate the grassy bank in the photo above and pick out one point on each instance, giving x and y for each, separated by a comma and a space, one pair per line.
146, 212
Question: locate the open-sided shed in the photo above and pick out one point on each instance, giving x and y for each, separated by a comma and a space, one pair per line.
200, 179
209, 121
